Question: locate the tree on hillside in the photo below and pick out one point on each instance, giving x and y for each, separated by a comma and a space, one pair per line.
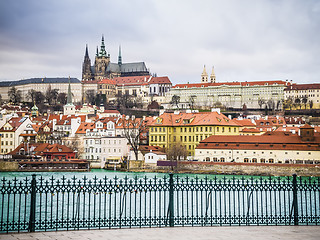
261, 101
62, 98
304, 100
288, 103
311, 104
297, 102
51, 95
90, 97
14, 95
39, 97
31, 95
175, 100
192, 99
271, 105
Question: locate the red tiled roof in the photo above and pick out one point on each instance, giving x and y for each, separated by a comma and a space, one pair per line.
250, 130
193, 119
155, 80
303, 86
107, 81
111, 111
135, 80
84, 126
269, 140
244, 122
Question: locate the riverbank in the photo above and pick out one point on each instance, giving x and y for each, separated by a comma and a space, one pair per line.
227, 168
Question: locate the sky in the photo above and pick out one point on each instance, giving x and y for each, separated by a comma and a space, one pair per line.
244, 40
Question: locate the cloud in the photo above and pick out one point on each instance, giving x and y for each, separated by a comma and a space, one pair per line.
244, 40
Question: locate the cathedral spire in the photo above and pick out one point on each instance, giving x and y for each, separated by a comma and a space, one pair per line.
86, 54
97, 53
103, 52
119, 57
69, 98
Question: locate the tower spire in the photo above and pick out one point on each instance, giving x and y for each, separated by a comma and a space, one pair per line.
86, 54
103, 52
97, 53
119, 57
213, 76
204, 75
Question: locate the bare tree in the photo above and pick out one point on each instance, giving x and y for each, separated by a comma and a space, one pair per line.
31, 95
271, 105
62, 98
175, 100
261, 101
75, 144
133, 128
90, 96
288, 103
304, 100
297, 102
14, 95
175, 152
192, 99
311, 104
51, 95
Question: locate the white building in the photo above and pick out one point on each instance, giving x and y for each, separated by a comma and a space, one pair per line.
153, 157
271, 147
254, 94
42, 85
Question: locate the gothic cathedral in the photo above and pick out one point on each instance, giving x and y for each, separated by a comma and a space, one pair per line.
103, 68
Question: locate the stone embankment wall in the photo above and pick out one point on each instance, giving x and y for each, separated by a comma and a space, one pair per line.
258, 169
8, 166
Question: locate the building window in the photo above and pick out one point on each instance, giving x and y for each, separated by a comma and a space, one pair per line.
262, 160
246, 160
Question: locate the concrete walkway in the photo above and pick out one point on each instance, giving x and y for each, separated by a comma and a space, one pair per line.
179, 233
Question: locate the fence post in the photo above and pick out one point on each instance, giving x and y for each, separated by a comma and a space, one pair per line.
32, 221
295, 200
171, 215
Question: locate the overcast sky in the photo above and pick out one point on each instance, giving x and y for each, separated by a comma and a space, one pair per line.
244, 40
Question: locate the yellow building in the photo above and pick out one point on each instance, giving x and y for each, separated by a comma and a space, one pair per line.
189, 129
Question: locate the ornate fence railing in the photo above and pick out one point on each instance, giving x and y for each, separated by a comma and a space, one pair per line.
39, 204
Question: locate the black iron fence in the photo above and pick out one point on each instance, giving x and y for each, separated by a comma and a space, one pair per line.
39, 204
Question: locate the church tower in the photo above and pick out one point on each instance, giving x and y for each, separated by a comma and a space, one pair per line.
213, 76
204, 75
101, 62
86, 67
69, 108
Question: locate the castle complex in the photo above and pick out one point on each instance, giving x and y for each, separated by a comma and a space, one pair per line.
104, 68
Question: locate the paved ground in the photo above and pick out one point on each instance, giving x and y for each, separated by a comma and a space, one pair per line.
183, 233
